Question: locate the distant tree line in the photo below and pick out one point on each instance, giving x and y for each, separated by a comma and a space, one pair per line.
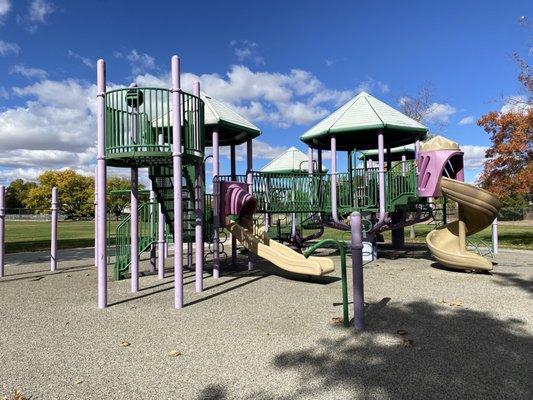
75, 192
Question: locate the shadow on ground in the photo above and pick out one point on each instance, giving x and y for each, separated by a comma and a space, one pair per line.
456, 353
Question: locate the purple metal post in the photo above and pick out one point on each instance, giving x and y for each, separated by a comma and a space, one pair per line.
417, 153
334, 180
161, 243
53, 241
233, 178
134, 230
101, 179
357, 272
199, 203
310, 160
134, 208
381, 179
95, 216
2, 229
153, 211
177, 174
495, 236
249, 181
216, 206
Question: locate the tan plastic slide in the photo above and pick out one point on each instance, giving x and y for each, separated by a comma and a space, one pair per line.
477, 210
259, 243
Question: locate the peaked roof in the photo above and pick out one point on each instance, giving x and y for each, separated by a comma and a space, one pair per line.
290, 160
357, 123
232, 127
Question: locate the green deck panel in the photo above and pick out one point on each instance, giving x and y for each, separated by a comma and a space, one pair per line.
357, 123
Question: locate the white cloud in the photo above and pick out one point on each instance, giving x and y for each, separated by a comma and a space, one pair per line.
4, 94
516, 104
140, 63
474, 156
468, 120
28, 72
370, 85
84, 60
5, 6
8, 48
247, 50
37, 14
439, 112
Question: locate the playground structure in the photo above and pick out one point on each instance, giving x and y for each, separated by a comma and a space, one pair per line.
139, 127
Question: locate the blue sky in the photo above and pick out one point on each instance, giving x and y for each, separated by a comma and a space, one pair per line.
284, 65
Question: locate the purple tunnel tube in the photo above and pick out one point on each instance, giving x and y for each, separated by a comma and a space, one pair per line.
233, 178
53, 241
216, 206
177, 174
249, 181
101, 179
199, 202
357, 272
2, 229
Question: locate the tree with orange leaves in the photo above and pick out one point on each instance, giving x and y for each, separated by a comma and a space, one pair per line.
508, 170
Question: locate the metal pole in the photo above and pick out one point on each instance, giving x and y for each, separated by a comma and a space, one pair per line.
495, 236
134, 230
404, 166
2, 229
233, 177
134, 209
177, 174
189, 256
216, 206
101, 179
249, 181
357, 272
152, 215
319, 160
53, 241
95, 216
309, 160
161, 243
199, 205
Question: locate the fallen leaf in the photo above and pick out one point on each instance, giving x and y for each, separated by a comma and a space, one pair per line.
78, 381
66, 323
87, 274
401, 332
442, 301
271, 333
337, 320
456, 303
174, 353
125, 344
68, 276
407, 343
431, 277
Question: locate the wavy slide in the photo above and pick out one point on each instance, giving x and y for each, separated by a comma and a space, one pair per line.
477, 210
282, 256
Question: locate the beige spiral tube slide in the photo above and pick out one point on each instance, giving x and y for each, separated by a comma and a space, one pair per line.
477, 210
258, 242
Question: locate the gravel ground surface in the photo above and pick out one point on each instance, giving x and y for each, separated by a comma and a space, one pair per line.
262, 335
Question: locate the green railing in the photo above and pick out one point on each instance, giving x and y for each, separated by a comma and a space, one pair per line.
401, 184
138, 123
148, 218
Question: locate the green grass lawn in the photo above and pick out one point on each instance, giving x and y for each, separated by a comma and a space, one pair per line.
509, 236
35, 235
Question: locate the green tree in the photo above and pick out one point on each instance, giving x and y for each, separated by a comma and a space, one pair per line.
117, 201
17, 193
75, 192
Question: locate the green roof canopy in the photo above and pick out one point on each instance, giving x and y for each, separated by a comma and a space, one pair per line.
232, 127
357, 123
396, 153
290, 160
